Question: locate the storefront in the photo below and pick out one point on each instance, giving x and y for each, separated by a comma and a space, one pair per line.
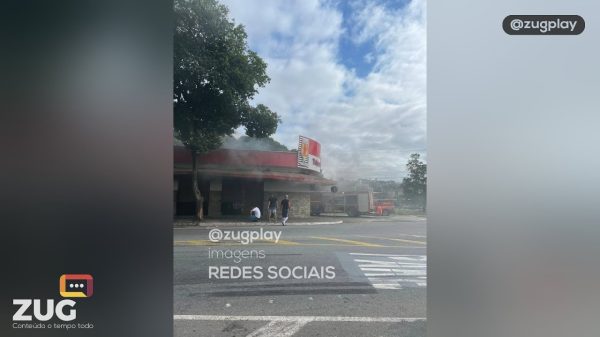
234, 181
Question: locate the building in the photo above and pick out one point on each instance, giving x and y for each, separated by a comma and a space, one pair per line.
234, 181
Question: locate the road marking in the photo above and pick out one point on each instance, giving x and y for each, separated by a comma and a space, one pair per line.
388, 271
286, 326
393, 239
229, 243
281, 242
198, 243
298, 318
378, 274
279, 329
414, 236
374, 254
352, 242
336, 242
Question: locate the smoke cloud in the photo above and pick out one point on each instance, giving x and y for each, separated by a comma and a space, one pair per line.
350, 75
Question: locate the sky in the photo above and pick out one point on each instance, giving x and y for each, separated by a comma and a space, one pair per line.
349, 74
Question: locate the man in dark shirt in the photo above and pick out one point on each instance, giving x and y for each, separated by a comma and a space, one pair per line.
272, 208
285, 209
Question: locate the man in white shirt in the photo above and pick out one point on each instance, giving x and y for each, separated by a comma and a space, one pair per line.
255, 214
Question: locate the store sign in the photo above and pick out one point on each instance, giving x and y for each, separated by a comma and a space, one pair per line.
309, 154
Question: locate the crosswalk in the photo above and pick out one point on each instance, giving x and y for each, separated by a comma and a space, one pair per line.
390, 271
279, 328
287, 326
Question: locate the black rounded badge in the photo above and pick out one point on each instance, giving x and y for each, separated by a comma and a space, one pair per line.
543, 24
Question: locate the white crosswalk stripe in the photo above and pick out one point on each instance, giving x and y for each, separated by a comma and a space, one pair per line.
389, 271
287, 326
279, 329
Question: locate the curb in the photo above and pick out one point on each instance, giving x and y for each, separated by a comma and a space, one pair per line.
259, 224
315, 223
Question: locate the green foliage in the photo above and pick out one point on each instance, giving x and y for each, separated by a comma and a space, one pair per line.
215, 75
415, 185
260, 122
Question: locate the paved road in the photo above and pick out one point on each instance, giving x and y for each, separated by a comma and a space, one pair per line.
365, 277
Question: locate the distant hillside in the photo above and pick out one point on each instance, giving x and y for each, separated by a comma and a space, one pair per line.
249, 143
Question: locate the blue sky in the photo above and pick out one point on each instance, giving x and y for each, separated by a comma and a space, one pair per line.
350, 74
354, 54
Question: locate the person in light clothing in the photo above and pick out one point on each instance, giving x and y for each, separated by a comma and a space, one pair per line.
255, 214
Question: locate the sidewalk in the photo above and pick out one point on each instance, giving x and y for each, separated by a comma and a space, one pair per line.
372, 217
313, 220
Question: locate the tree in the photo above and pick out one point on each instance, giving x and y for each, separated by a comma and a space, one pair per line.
261, 122
415, 185
215, 76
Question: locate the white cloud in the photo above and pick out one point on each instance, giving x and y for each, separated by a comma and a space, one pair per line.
367, 126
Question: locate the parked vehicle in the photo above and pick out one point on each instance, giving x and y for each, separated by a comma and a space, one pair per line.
384, 207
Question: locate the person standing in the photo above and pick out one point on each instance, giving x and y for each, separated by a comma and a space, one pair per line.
285, 209
272, 208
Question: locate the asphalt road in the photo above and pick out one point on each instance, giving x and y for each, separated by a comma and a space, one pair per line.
365, 277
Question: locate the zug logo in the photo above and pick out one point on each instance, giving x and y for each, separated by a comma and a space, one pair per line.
70, 285
76, 285
21, 314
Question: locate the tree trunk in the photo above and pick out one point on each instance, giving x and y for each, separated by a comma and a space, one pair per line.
197, 193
